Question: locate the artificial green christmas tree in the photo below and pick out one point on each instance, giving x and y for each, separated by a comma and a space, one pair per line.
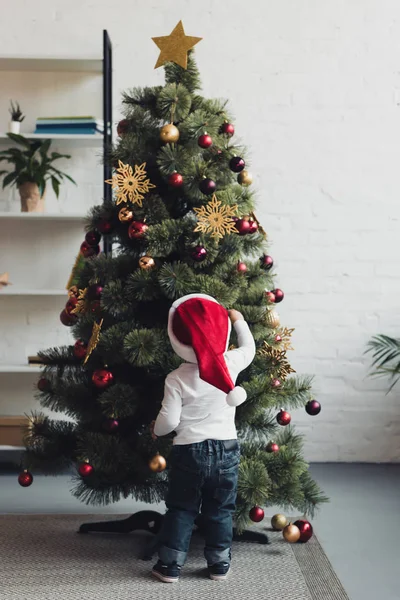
181, 221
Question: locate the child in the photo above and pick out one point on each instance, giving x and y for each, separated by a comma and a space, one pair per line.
199, 405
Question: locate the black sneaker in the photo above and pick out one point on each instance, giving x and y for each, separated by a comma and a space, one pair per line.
219, 571
166, 573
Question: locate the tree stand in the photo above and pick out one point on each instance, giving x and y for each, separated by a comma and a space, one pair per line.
151, 521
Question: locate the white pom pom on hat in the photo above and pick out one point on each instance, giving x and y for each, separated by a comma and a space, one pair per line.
236, 396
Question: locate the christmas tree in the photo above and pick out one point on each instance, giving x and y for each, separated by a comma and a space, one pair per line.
181, 221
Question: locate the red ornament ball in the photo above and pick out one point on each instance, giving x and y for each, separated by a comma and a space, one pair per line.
94, 291
205, 141
270, 296
283, 417
93, 238
104, 226
25, 479
71, 304
253, 226
199, 253
175, 180
43, 385
137, 229
88, 250
272, 447
278, 339
102, 378
85, 469
267, 262
306, 530
122, 127
67, 319
237, 164
256, 514
207, 186
243, 226
313, 408
80, 349
241, 267
95, 306
228, 129
279, 295
111, 425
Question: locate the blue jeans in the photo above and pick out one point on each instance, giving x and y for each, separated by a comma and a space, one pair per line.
203, 477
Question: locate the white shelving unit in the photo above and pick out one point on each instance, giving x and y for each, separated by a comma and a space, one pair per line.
51, 64
74, 139
43, 216
20, 369
13, 291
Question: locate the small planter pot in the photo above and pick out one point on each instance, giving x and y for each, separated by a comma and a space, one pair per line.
31, 201
14, 127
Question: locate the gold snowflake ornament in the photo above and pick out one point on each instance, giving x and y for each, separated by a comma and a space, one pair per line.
277, 359
130, 185
82, 304
94, 340
286, 335
216, 218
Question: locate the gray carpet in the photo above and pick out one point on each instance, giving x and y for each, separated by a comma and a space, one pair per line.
43, 558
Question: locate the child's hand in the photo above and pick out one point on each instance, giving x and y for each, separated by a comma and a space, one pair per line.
235, 315
153, 435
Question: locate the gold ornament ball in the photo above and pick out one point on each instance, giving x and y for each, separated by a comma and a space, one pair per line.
278, 522
291, 533
125, 215
272, 319
146, 263
158, 464
245, 178
169, 134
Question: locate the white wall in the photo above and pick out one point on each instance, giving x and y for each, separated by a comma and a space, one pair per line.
315, 88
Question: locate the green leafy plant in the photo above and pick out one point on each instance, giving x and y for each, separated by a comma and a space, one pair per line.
15, 112
386, 357
33, 164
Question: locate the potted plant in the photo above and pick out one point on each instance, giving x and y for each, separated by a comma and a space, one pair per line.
16, 117
385, 357
33, 168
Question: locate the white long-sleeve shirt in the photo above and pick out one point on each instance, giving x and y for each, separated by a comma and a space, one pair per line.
196, 410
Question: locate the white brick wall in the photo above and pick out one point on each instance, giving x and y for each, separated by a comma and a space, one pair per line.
315, 88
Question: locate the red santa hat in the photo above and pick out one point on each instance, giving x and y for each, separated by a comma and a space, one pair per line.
199, 329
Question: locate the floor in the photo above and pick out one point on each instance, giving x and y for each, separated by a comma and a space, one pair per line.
359, 529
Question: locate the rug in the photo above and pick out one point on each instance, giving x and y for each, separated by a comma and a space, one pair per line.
42, 557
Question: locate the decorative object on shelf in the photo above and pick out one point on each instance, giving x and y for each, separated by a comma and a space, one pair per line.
205, 141
125, 215
228, 129
306, 530
80, 349
94, 340
85, 469
33, 168
266, 262
256, 514
16, 117
175, 180
75, 272
73, 125
284, 338
199, 253
283, 417
245, 178
272, 319
236, 164
291, 533
216, 218
102, 378
169, 134
313, 408
272, 447
241, 267
207, 186
137, 230
279, 295
157, 463
82, 304
175, 46
4, 280
92, 238
146, 263
25, 478
130, 185
278, 359
278, 522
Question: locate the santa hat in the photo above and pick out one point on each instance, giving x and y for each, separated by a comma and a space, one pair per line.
199, 329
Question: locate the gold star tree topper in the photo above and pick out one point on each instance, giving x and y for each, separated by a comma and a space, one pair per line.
130, 185
216, 219
175, 46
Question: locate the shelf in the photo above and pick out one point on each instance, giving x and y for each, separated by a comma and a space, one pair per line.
25, 63
20, 369
43, 216
14, 291
11, 448
75, 139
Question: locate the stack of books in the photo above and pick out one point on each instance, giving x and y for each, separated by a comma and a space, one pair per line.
69, 125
